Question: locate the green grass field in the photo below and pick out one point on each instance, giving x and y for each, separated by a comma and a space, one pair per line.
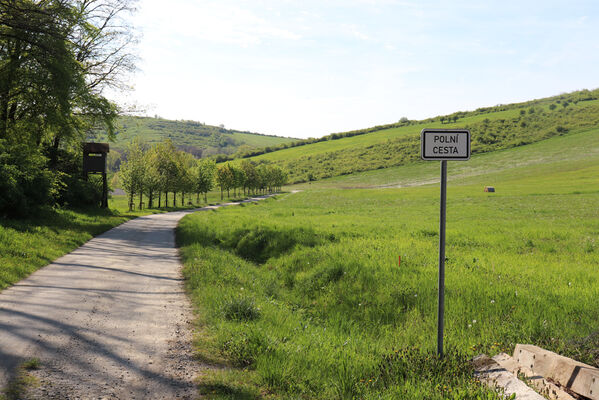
302, 295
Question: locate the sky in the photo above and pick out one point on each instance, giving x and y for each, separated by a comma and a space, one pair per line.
310, 68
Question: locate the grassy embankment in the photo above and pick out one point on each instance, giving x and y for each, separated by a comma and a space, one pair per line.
29, 244
500, 127
303, 294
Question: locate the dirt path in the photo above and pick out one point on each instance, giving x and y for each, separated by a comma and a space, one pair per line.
109, 320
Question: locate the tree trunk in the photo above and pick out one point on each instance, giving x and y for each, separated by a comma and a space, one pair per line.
205, 197
159, 198
54, 151
150, 199
166, 199
182, 199
221, 193
141, 197
131, 201
174, 199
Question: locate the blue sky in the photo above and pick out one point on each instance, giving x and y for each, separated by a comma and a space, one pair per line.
309, 68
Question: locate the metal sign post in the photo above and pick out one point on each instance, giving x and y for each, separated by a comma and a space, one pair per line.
443, 145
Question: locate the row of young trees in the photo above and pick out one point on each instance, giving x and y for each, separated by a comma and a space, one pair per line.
161, 169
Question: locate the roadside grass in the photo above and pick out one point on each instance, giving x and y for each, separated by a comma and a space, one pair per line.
15, 390
337, 317
29, 244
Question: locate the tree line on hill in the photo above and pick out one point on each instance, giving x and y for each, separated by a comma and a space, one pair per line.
152, 171
57, 58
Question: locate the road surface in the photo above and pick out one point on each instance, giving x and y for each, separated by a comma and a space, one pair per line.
109, 320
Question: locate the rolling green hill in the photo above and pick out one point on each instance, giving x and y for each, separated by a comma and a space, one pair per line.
493, 128
565, 153
194, 137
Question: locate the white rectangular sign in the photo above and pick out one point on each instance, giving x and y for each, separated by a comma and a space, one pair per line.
445, 144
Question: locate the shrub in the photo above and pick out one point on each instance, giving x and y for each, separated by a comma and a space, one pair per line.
77, 192
25, 182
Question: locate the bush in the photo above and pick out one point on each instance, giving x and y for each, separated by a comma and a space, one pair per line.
77, 192
25, 182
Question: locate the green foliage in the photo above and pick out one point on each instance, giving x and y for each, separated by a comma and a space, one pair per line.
133, 171
225, 177
25, 183
78, 192
204, 175
56, 59
163, 168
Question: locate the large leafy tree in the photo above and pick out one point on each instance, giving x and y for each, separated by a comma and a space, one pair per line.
57, 58
166, 164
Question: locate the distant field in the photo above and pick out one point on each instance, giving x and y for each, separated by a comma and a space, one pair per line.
303, 294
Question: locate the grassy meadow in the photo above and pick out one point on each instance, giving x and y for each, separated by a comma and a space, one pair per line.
302, 295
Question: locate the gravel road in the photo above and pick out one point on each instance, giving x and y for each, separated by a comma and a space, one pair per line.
108, 321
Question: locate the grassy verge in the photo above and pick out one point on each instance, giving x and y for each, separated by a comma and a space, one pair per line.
303, 295
29, 244
16, 389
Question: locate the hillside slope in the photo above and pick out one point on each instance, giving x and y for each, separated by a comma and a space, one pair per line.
194, 137
572, 151
493, 128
